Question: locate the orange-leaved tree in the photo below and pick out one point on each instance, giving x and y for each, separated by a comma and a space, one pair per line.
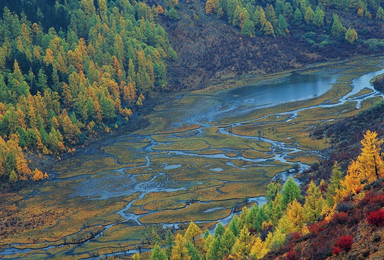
368, 167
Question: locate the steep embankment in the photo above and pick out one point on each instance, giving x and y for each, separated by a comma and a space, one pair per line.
345, 137
354, 232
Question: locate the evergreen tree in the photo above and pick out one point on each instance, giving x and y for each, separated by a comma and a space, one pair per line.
309, 15
319, 17
243, 244
13, 176
282, 27
288, 11
268, 29
259, 249
192, 251
233, 226
179, 250
351, 35
298, 17
276, 209
275, 239
380, 14
219, 230
272, 189
271, 15
334, 184
227, 241
248, 28
290, 192
158, 254
295, 216
337, 29
314, 203
193, 231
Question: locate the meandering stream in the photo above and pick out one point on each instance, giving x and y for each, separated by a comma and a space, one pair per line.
177, 160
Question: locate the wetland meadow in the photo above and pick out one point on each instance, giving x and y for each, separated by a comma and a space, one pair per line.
201, 157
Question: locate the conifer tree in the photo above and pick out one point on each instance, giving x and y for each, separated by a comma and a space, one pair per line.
314, 203
337, 29
219, 230
214, 251
13, 176
272, 189
248, 28
179, 250
271, 15
380, 14
282, 26
259, 249
290, 192
193, 231
234, 226
351, 35
158, 254
227, 241
275, 239
309, 15
298, 16
370, 160
334, 184
318, 20
268, 28
243, 244
295, 216
276, 209
192, 251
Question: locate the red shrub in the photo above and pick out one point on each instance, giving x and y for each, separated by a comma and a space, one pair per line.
336, 251
340, 218
293, 255
315, 229
355, 217
376, 218
345, 243
296, 236
372, 198
379, 199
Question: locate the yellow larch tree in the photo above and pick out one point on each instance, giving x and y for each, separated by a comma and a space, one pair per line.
371, 163
314, 203
259, 249
193, 231
368, 167
351, 183
243, 244
179, 250
295, 215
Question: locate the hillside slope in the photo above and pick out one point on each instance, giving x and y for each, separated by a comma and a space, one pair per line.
351, 219
209, 49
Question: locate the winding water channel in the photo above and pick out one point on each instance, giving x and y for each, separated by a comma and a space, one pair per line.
197, 145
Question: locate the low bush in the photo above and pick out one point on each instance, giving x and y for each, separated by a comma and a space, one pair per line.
344, 207
293, 255
345, 243
336, 250
314, 229
376, 218
340, 218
